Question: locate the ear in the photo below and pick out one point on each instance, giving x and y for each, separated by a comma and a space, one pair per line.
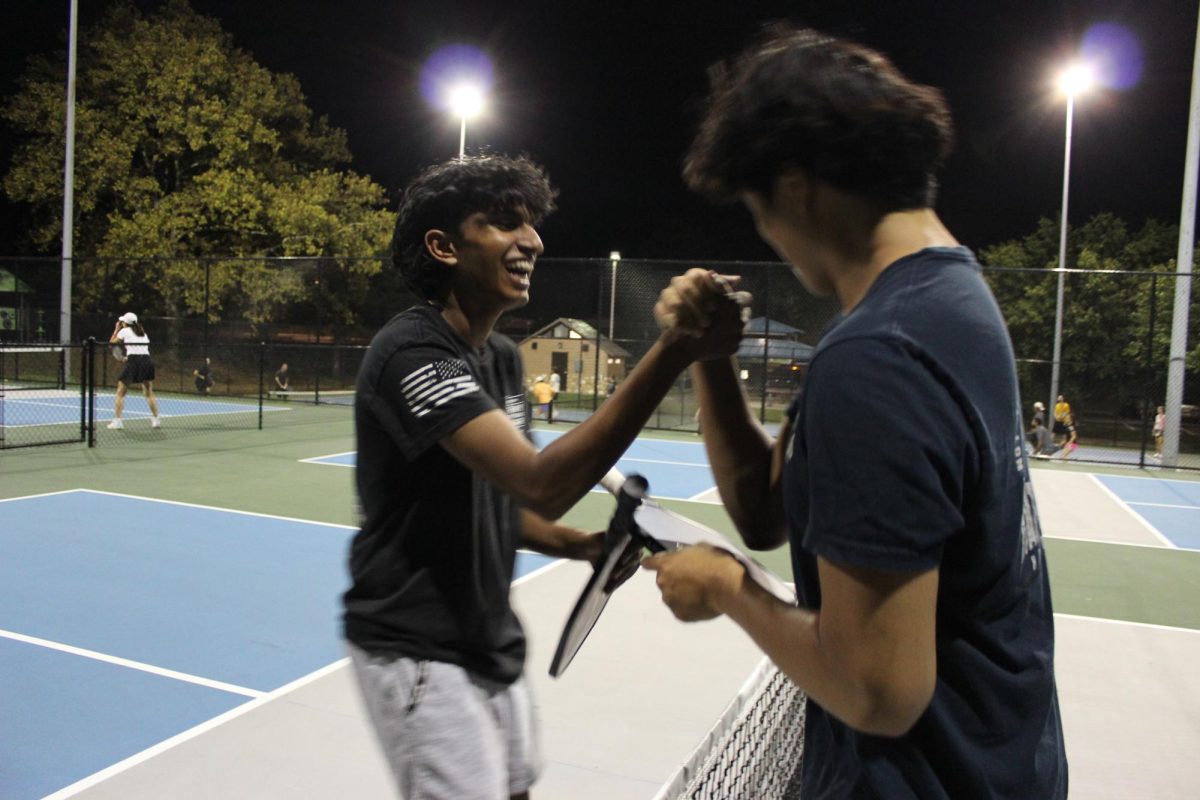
794, 190
439, 245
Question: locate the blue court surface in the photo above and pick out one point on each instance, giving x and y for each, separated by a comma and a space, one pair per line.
1170, 507
126, 621
54, 407
675, 469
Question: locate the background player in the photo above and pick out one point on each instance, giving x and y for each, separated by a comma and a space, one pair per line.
138, 369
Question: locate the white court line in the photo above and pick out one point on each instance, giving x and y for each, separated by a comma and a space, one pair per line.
1164, 505
66, 402
1143, 477
556, 562
1108, 621
1120, 544
1144, 522
43, 494
661, 461
191, 733
220, 508
320, 459
125, 662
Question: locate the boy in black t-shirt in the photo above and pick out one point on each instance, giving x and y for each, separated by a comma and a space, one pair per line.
450, 484
924, 635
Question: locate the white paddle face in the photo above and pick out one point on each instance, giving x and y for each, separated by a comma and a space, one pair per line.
595, 593
675, 530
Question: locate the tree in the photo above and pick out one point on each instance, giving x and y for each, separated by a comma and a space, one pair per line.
1119, 284
187, 149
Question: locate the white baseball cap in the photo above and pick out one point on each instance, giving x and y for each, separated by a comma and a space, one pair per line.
128, 318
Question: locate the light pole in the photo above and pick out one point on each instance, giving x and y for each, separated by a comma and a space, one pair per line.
68, 214
614, 258
466, 101
1073, 81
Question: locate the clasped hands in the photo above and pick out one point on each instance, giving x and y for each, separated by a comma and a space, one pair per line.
702, 311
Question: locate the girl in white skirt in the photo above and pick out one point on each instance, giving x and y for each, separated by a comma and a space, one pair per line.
138, 367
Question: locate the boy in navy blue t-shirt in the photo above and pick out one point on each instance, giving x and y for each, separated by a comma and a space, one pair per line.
924, 635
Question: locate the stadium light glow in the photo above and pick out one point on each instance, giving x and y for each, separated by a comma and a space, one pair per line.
466, 100
1075, 80
456, 79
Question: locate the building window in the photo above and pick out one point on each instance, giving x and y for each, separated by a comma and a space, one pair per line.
533, 346
585, 348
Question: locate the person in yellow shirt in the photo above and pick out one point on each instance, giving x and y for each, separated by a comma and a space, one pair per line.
1062, 413
543, 396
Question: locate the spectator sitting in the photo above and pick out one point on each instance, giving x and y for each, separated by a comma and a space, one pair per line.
204, 377
1042, 441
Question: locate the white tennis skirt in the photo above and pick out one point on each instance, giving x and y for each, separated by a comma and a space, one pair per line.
138, 369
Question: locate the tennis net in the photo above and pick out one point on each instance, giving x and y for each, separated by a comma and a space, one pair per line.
26, 367
42, 396
319, 397
754, 750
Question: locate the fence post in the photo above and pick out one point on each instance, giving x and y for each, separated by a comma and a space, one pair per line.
262, 367
596, 370
83, 394
89, 380
766, 363
207, 270
1147, 382
316, 368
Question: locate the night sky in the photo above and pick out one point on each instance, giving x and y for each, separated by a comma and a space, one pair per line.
606, 95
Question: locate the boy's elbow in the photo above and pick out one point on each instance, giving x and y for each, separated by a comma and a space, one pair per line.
892, 712
759, 529
547, 499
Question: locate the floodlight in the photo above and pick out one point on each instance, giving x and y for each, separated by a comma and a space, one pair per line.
1075, 79
466, 100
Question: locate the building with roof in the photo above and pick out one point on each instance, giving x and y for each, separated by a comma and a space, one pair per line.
584, 359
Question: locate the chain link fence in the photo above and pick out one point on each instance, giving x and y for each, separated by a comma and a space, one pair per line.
588, 322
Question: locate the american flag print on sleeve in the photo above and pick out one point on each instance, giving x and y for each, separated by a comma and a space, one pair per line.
436, 384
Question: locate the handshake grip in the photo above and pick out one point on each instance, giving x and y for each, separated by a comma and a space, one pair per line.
740, 299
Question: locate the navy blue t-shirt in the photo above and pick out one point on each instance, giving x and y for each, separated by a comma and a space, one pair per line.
433, 562
908, 456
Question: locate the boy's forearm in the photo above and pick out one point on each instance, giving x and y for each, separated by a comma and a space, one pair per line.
575, 462
740, 452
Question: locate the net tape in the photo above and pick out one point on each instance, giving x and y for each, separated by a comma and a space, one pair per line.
754, 751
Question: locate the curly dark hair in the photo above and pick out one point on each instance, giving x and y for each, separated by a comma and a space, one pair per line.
443, 195
834, 109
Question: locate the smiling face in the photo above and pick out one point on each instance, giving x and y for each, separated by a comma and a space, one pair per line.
495, 254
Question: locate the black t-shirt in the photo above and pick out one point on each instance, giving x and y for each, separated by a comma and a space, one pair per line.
433, 561
908, 455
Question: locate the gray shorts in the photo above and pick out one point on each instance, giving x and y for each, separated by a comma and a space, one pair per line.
448, 733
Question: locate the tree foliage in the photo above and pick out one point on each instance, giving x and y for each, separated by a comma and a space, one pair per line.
188, 149
1118, 296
